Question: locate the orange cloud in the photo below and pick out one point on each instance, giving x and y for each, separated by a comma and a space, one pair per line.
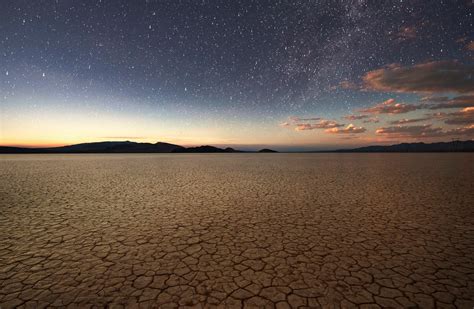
348, 85
406, 121
410, 131
372, 120
297, 119
445, 102
464, 116
430, 77
390, 106
355, 117
469, 131
424, 131
347, 130
323, 124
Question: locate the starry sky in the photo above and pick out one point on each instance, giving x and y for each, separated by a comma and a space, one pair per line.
292, 75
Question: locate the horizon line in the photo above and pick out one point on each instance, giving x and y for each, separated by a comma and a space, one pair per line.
303, 148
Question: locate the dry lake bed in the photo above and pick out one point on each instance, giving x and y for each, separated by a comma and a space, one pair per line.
237, 230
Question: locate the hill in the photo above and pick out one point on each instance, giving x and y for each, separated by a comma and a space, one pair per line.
454, 146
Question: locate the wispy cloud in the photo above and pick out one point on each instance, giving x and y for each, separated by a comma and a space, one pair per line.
424, 131
410, 131
430, 77
347, 130
407, 121
298, 119
464, 116
464, 131
446, 102
348, 85
389, 106
371, 120
323, 124
355, 117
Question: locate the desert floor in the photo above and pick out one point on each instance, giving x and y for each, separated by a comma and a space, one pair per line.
233, 230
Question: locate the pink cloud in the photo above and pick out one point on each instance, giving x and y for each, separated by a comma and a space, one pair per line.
390, 106
372, 120
410, 131
355, 117
445, 102
424, 131
406, 121
430, 77
347, 130
323, 124
348, 85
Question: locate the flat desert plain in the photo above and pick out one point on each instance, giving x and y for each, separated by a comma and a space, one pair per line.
237, 230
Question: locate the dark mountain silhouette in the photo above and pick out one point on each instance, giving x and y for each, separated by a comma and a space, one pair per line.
454, 146
205, 149
132, 147
100, 147
266, 150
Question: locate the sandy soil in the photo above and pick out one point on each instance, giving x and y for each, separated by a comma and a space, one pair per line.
232, 230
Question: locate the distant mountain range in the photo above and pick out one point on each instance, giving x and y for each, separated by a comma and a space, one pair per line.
123, 147
132, 147
454, 146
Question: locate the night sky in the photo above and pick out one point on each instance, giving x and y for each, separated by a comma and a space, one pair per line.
283, 74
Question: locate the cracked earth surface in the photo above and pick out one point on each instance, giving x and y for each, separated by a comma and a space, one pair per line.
237, 230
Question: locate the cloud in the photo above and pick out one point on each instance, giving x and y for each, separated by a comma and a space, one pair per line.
468, 130
406, 121
372, 120
464, 116
309, 119
294, 121
355, 117
410, 131
389, 107
445, 102
297, 119
430, 77
304, 127
347, 130
424, 131
348, 85
323, 124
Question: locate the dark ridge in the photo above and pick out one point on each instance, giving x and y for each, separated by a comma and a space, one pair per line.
100, 147
132, 147
205, 149
454, 146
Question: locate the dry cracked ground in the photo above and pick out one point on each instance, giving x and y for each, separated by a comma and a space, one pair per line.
237, 230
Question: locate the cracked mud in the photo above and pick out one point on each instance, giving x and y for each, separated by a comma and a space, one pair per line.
237, 230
